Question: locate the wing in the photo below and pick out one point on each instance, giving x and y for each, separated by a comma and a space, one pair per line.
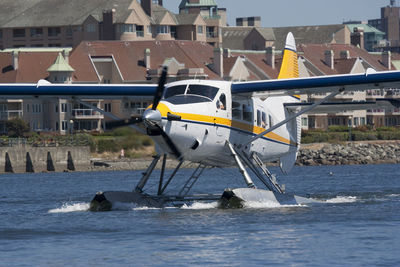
92, 91
323, 84
333, 107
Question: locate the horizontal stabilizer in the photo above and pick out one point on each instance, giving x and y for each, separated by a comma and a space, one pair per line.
331, 107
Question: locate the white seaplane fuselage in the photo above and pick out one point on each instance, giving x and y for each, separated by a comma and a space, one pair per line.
210, 116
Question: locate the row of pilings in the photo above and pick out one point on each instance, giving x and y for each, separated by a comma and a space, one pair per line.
43, 159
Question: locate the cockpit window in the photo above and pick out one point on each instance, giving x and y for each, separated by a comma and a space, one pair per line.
175, 90
204, 91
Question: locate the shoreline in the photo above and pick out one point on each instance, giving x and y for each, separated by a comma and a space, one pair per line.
315, 154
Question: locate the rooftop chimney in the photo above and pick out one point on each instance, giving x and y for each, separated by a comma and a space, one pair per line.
386, 59
345, 54
147, 58
227, 52
270, 56
108, 24
65, 54
147, 5
357, 37
15, 57
219, 61
329, 59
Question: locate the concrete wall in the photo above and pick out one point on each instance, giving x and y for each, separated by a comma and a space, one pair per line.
39, 158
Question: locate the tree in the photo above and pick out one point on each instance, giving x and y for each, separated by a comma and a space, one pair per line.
17, 127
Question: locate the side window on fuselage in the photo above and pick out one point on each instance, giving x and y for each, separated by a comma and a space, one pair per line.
248, 113
264, 120
221, 102
236, 110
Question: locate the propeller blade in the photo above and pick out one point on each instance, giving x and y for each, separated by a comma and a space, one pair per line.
121, 123
160, 88
169, 142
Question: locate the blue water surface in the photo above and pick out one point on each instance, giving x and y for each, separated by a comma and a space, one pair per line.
44, 222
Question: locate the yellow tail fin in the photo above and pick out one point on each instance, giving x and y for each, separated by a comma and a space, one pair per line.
290, 65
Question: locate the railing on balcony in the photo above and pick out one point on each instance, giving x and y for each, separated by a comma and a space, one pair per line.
140, 33
10, 114
212, 35
86, 113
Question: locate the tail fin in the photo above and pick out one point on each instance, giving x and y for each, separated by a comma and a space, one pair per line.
290, 66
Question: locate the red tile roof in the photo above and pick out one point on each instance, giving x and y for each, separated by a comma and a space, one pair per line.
315, 53
129, 57
259, 60
7, 74
32, 66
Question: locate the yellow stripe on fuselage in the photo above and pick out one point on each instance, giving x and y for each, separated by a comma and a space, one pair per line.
225, 122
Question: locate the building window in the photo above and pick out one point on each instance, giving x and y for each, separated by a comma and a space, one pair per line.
211, 32
162, 29
68, 31
1, 34
56, 107
54, 31
27, 107
57, 126
36, 32
107, 107
140, 30
18, 33
149, 29
36, 108
64, 125
90, 28
64, 107
304, 122
200, 29
126, 28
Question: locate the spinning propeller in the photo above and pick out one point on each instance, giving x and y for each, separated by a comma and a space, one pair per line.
152, 117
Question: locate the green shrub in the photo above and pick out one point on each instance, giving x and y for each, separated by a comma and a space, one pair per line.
338, 128
104, 145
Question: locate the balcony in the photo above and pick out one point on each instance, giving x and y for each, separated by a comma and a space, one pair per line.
10, 114
86, 114
212, 35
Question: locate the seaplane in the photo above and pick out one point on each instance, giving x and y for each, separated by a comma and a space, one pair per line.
222, 124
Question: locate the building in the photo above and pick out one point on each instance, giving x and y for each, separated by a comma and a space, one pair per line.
366, 36
331, 59
214, 17
59, 23
389, 23
259, 38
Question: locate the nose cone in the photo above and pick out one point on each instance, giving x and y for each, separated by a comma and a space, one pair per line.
152, 118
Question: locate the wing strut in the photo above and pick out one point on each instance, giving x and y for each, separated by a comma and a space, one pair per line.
319, 102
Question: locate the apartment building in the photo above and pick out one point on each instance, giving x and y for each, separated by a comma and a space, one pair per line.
50, 114
389, 23
214, 17
59, 23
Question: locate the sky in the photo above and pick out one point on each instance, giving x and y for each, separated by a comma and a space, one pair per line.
280, 13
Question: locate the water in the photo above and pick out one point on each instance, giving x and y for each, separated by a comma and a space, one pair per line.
44, 222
